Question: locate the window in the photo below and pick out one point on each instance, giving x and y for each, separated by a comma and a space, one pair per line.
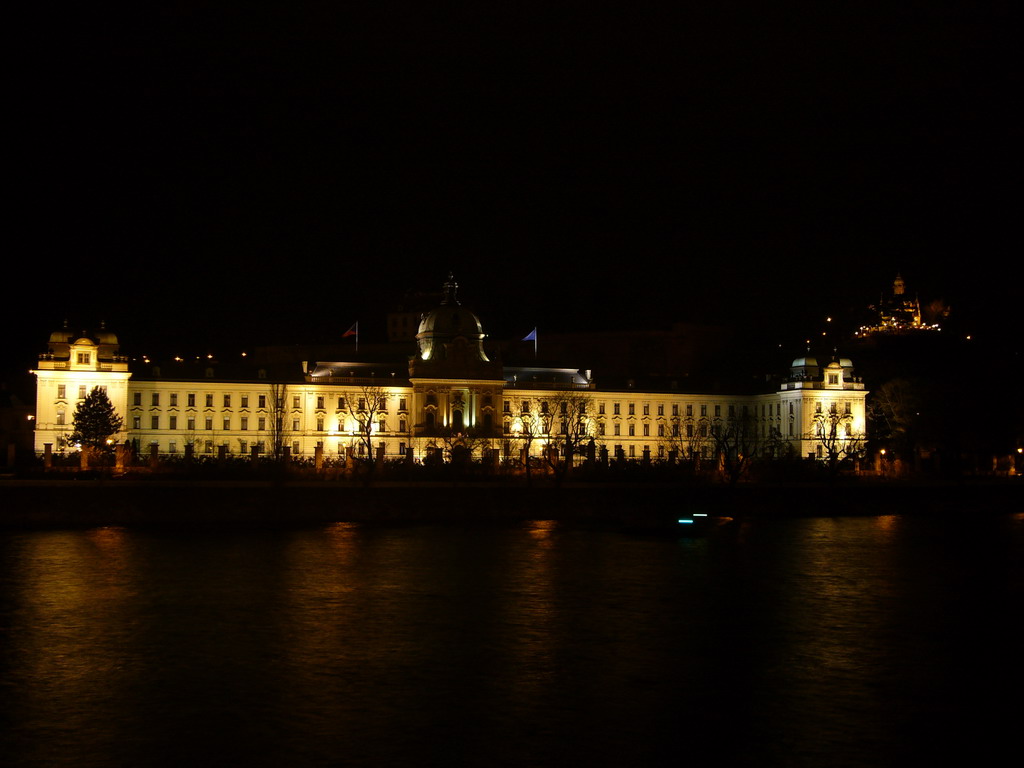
172, 447
647, 430
616, 430
136, 422
401, 449
341, 403
848, 410
209, 401
543, 406
647, 409
600, 429
174, 399
227, 423
81, 391
295, 425
632, 409
172, 422
209, 422
661, 409
563, 408
295, 447
261, 402
191, 399
295, 401
833, 378
689, 411
382, 425
632, 430
245, 401
244, 424
136, 398
718, 410
732, 411
320, 402
227, 401
155, 400
60, 418
261, 423
62, 391
190, 424
362, 403
154, 422
632, 451
525, 407
703, 410
243, 446
208, 447
507, 407
83, 358
319, 423
661, 430
401, 425
689, 430
615, 409
600, 408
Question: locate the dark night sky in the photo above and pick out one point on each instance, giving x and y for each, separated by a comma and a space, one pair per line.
231, 177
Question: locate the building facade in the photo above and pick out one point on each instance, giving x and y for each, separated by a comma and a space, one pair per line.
448, 393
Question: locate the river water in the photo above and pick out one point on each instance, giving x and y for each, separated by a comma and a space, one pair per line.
859, 641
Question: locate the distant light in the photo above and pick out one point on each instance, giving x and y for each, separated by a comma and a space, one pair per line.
245, 354
828, 319
685, 522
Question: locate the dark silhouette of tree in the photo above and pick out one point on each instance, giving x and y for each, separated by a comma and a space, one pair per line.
833, 430
566, 429
736, 442
95, 421
276, 413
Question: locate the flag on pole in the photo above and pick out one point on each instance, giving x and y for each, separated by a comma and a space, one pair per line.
353, 331
532, 336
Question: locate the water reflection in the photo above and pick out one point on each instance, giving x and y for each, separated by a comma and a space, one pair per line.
503, 646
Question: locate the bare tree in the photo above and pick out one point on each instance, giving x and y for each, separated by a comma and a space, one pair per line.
276, 412
567, 429
527, 428
833, 429
736, 441
688, 436
365, 406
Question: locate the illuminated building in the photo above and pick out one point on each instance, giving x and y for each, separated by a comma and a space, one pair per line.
449, 387
899, 314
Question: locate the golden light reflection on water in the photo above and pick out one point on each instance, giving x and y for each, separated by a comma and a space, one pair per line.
542, 531
887, 523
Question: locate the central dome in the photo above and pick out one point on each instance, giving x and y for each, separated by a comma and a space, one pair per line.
449, 321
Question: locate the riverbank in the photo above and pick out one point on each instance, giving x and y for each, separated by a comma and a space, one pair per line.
90, 503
